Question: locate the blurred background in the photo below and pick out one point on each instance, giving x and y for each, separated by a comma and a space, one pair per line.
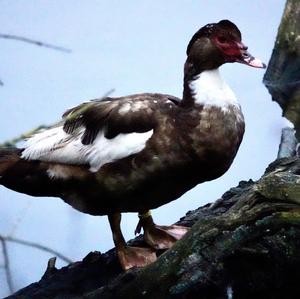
133, 47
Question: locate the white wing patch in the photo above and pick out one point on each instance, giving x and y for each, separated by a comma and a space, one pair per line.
55, 145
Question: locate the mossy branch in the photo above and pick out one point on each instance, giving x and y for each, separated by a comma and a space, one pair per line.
246, 243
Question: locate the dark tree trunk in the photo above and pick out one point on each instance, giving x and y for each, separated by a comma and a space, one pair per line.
283, 74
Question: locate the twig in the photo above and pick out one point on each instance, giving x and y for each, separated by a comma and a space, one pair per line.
34, 42
7, 265
20, 217
13, 142
38, 246
72, 115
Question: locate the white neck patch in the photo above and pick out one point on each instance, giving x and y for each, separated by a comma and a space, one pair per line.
209, 89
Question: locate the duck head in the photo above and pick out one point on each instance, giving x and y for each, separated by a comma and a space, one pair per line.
216, 44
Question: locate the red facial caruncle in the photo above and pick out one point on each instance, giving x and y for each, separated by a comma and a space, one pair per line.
235, 51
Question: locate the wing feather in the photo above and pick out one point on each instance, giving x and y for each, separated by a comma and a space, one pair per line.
119, 115
98, 132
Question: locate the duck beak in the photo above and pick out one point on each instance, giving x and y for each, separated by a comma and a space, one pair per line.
250, 60
247, 58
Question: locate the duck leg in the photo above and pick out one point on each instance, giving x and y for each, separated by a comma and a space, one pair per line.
159, 236
128, 256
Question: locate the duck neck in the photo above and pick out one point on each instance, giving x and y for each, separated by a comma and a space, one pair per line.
190, 73
206, 87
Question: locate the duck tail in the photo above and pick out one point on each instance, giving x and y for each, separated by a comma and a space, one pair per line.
21, 175
39, 178
8, 158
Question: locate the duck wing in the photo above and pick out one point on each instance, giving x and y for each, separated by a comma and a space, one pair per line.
100, 131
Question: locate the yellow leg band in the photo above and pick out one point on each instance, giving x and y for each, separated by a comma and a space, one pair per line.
145, 215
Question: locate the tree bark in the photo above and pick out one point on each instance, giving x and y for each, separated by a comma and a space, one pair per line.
282, 77
246, 244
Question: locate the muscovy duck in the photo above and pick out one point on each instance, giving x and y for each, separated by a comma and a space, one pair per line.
138, 152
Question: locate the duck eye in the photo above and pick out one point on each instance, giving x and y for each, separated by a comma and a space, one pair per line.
221, 39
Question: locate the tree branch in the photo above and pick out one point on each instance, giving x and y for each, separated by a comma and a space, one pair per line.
245, 244
37, 246
6, 265
34, 42
13, 142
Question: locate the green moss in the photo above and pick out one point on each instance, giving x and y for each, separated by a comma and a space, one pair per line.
292, 217
282, 75
280, 186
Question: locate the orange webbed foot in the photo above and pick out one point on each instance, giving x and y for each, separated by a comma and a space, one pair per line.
159, 236
163, 237
135, 257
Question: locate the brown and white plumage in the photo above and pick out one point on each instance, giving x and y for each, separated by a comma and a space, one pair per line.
100, 131
138, 152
